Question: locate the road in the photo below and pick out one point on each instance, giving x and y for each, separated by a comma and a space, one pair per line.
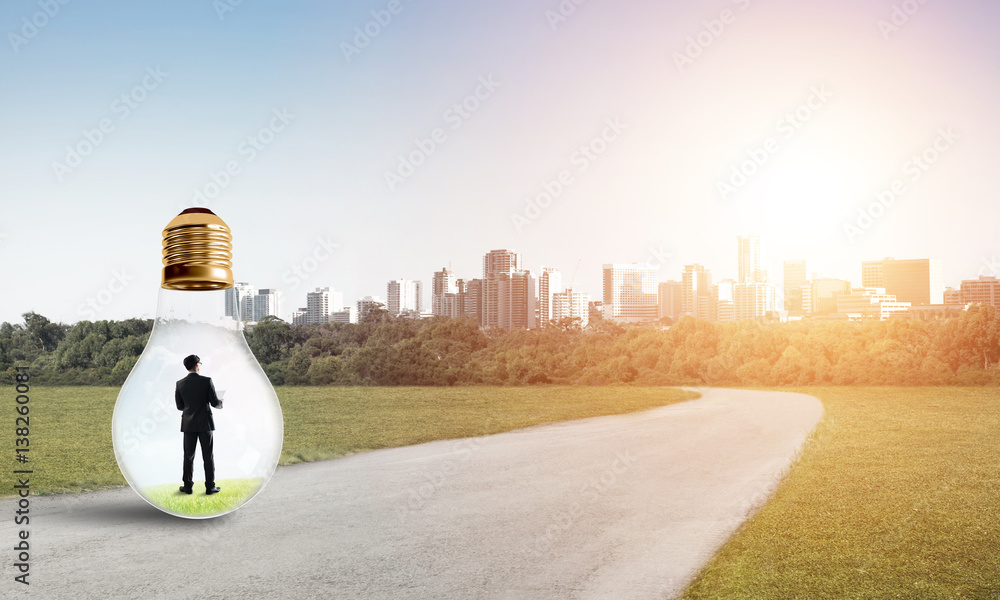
628, 506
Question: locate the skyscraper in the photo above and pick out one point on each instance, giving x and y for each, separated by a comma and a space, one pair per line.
515, 300
320, 303
670, 299
571, 304
495, 264
630, 292
444, 294
918, 281
724, 301
753, 294
696, 284
267, 302
873, 273
825, 292
750, 259
239, 301
549, 284
404, 296
470, 299
793, 281
753, 300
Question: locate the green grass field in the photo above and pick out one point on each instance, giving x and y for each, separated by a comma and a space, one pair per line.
232, 493
898, 496
70, 429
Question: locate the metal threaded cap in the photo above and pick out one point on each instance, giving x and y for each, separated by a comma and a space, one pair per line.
197, 252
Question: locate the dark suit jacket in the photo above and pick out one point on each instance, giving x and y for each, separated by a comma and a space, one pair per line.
195, 395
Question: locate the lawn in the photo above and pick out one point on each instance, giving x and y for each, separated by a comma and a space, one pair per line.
898, 496
232, 493
70, 429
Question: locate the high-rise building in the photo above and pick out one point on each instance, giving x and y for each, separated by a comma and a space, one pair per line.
751, 259
630, 292
495, 264
299, 316
917, 281
549, 283
470, 294
806, 293
952, 296
266, 302
794, 280
319, 305
239, 301
985, 290
723, 301
444, 291
404, 296
515, 300
670, 300
825, 292
753, 300
873, 273
571, 304
696, 283
753, 294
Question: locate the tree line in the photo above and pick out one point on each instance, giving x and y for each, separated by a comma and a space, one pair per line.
386, 350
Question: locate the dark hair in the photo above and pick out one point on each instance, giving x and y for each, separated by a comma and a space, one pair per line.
191, 361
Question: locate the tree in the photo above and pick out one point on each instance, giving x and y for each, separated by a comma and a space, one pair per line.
46, 333
269, 339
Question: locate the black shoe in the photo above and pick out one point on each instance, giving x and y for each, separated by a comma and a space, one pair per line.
186, 490
211, 490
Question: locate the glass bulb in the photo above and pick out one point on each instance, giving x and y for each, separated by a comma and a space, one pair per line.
191, 319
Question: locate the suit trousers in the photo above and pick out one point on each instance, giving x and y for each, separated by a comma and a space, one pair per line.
190, 439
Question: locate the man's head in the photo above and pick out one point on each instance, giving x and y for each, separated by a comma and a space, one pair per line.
191, 363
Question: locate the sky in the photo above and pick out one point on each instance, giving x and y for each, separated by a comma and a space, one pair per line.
360, 142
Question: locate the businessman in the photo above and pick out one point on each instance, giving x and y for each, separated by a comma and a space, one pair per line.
195, 395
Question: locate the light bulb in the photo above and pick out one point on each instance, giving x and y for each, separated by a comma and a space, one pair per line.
191, 320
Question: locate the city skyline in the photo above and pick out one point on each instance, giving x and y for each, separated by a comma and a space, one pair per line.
755, 294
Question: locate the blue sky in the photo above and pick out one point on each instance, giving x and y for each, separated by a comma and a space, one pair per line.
650, 187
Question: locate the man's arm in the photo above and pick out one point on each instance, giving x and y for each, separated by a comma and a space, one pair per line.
177, 397
213, 399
